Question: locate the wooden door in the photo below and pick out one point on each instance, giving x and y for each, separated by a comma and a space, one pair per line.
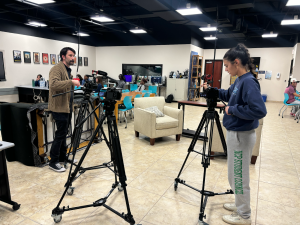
217, 76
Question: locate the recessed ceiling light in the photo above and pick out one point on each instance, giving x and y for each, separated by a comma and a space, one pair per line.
205, 29
269, 35
39, 1
190, 11
138, 31
290, 22
102, 19
81, 34
210, 38
35, 24
293, 3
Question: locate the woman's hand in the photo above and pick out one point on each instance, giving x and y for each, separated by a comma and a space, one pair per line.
226, 110
204, 85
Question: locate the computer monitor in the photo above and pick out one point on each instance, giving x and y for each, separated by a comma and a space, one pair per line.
128, 78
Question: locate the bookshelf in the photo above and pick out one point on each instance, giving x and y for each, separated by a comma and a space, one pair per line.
195, 81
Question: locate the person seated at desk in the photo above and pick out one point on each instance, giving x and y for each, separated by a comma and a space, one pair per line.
37, 81
291, 91
100, 85
80, 78
85, 79
142, 85
121, 82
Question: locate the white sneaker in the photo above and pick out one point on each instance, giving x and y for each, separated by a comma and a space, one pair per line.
235, 218
57, 167
230, 206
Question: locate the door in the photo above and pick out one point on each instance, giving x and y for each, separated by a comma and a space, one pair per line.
217, 76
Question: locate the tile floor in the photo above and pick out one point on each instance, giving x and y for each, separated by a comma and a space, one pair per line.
275, 186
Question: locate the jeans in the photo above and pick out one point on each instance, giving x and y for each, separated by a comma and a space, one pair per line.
59, 146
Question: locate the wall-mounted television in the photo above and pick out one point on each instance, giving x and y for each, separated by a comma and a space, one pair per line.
142, 69
2, 69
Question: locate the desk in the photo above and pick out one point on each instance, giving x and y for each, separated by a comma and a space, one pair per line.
191, 133
133, 94
4, 183
26, 93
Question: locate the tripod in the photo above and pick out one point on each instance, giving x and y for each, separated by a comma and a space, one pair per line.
116, 159
209, 117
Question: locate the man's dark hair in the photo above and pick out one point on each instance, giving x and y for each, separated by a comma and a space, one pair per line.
64, 52
39, 75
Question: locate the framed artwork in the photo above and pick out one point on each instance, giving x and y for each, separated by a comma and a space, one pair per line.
232, 79
86, 62
17, 56
53, 59
27, 57
36, 58
58, 58
268, 75
45, 58
80, 61
75, 61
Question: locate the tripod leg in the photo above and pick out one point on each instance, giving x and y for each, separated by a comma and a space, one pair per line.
221, 133
192, 145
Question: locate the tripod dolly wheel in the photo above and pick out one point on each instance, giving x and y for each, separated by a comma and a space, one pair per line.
175, 185
16, 206
120, 187
70, 191
57, 218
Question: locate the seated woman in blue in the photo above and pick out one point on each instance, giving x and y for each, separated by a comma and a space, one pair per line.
100, 85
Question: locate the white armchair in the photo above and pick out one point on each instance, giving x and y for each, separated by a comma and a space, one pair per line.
145, 122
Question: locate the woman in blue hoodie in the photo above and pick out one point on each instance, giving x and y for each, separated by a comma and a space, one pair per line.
245, 107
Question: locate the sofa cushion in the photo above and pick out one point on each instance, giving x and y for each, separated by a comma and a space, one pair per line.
166, 122
155, 110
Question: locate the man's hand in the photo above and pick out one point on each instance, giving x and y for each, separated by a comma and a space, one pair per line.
76, 83
204, 85
226, 110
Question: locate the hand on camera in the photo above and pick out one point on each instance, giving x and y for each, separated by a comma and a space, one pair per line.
76, 83
226, 110
204, 85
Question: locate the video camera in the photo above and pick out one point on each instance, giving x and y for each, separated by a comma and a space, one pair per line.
112, 94
212, 97
207, 77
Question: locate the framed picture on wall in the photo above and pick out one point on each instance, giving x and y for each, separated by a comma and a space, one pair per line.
53, 59
75, 61
45, 58
86, 62
58, 58
27, 57
17, 56
80, 61
36, 58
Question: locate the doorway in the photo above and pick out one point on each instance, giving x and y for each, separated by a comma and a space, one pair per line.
217, 76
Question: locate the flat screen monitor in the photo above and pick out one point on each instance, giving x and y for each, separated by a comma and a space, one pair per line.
128, 78
2, 70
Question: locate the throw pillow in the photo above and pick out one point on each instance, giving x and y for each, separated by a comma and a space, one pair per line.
155, 110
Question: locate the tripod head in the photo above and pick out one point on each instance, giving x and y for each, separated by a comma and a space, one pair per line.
212, 97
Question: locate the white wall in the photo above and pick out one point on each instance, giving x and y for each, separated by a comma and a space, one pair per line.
22, 73
273, 59
173, 57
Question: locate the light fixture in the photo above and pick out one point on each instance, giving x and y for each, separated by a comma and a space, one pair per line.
188, 10
208, 28
102, 19
291, 22
39, 1
270, 35
35, 24
210, 38
293, 3
138, 31
81, 34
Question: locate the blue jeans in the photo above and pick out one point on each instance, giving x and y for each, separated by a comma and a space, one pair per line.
58, 149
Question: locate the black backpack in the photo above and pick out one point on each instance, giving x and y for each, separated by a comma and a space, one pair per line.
169, 99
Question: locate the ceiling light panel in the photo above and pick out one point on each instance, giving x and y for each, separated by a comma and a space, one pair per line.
190, 11
138, 31
206, 29
269, 35
81, 34
39, 1
35, 24
210, 38
102, 19
293, 3
290, 22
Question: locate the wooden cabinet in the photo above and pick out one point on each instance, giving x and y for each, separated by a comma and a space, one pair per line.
177, 87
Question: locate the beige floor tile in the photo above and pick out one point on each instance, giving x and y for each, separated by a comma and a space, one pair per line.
8, 216
278, 178
168, 211
279, 165
140, 161
145, 223
28, 222
43, 216
279, 195
152, 182
166, 168
277, 214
